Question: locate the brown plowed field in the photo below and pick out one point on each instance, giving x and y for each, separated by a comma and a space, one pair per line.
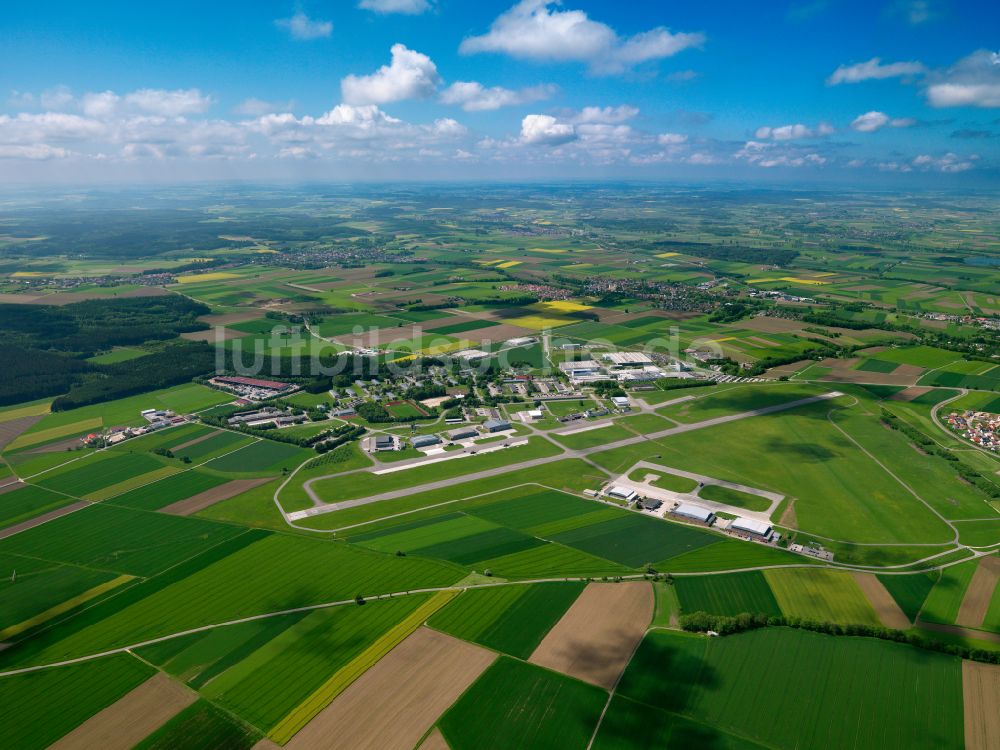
11, 429
882, 602
131, 718
393, 704
842, 372
977, 597
981, 690
595, 639
202, 500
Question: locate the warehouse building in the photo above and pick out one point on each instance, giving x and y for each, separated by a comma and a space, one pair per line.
690, 512
463, 433
496, 425
424, 441
758, 529
622, 493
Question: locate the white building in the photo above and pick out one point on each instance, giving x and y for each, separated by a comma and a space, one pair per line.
622, 493
695, 513
750, 526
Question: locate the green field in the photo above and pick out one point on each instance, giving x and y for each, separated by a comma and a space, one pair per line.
262, 576
762, 686
97, 472
945, 598
510, 619
910, 591
118, 539
27, 502
822, 595
36, 709
198, 727
263, 456
727, 594
518, 705
169, 490
634, 540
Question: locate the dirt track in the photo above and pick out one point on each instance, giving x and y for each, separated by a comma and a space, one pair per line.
594, 640
399, 698
131, 718
881, 600
202, 500
977, 597
981, 690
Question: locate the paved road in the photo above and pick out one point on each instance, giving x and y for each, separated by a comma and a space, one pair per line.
324, 507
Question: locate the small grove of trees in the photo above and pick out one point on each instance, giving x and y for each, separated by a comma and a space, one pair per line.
702, 622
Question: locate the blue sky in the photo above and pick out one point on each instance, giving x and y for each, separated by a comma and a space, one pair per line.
888, 90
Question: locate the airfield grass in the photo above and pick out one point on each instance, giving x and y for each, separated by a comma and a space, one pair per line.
822, 595
665, 480
363, 485
729, 496
727, 594
723, 401
516, 704
38, 708
509, 619
840, 491
762, 685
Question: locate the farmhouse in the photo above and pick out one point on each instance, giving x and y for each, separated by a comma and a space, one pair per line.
690, 512
424, 441
758, 529
622, 493
496, 425
462, 433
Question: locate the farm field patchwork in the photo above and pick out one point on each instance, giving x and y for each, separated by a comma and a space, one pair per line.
916, 700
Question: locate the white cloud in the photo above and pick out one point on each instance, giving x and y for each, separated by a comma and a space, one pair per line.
535, 30
545, 130
35, 152
255, 107
165, 103
874, 70
770, 154
973, 81
607, 114
869, 122
950, 163
27, 128
407, 7
103, 104
410, 75
671, 139
474, 97
793, 132
301, 26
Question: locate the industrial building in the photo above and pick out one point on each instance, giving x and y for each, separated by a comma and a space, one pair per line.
754, 528
496, 425
424, 441
622, 493
463, 433
690, 512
